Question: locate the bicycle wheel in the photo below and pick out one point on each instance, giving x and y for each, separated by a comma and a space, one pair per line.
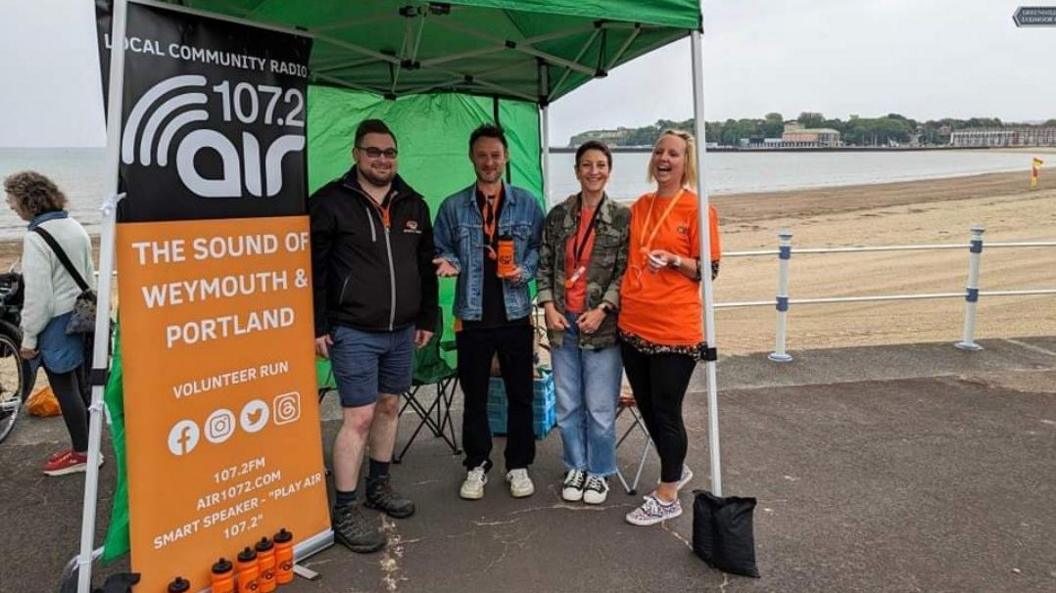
12, 382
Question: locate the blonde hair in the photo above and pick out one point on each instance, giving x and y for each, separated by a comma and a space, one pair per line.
689, 170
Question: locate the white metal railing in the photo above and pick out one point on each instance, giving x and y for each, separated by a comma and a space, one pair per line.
970, 295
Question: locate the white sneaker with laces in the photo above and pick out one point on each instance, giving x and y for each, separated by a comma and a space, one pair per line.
473, 487
520, 484
653, 511
572, 487
596, 489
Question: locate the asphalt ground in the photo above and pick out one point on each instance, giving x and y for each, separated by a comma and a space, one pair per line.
896, 468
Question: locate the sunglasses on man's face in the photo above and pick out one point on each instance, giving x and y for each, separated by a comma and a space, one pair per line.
374, 152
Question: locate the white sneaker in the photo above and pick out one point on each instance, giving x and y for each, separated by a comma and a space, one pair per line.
520, 484
473, 487
572, 487
653, 511
596, 489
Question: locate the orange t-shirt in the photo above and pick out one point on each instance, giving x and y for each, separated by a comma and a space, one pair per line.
664, 307
576, 295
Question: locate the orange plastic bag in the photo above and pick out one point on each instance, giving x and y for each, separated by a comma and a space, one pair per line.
43, 403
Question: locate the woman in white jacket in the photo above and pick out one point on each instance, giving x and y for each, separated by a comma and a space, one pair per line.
50, 293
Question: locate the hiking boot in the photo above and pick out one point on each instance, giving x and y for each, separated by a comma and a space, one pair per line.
572, 487
473, 487
596, 489
357, 533
520, 484
67, 462
381, 497
653, 511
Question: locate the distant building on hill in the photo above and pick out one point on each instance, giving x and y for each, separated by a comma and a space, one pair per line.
1004, 137
796, 136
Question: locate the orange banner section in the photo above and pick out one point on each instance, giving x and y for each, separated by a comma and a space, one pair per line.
223, 432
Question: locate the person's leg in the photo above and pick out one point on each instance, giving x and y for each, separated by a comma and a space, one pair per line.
515, 357
395, 368
602, 372
475, 351
569, 391
67, 390
670, 377
638, 369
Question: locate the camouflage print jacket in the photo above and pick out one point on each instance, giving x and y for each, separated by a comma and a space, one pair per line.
608, 260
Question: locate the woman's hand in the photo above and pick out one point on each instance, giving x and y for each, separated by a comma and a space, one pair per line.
590, 321
28, 353
659, 259
555, 320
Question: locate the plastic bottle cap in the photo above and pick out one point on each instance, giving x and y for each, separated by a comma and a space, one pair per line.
264, 545
247, 555
179, 585
283, 536
222, 565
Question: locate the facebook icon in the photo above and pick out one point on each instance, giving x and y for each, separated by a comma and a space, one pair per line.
183, 437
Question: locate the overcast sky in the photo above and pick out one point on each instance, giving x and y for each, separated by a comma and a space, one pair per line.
922, 58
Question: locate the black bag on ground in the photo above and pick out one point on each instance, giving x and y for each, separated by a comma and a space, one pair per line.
723, 532
83, 319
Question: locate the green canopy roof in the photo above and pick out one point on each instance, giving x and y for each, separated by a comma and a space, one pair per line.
535, 50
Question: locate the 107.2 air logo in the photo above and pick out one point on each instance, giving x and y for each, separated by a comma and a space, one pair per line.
246, 167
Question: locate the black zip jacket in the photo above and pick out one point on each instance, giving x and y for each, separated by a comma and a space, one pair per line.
367, 275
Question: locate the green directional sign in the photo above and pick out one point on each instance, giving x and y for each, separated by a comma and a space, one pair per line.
1035, 16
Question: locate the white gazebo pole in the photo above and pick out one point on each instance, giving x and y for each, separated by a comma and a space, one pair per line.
544, 97
697, 50
101, 350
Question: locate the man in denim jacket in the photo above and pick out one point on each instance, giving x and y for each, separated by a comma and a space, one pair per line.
471, 228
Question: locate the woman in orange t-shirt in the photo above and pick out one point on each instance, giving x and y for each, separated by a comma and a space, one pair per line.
660, 311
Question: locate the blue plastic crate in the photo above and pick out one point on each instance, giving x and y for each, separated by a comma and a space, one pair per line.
544, 405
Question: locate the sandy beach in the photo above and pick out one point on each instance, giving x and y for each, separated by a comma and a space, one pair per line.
916, 212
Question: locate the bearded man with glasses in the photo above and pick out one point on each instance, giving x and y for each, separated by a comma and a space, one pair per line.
375, 294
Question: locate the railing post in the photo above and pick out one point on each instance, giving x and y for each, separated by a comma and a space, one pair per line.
971, 296
784, 255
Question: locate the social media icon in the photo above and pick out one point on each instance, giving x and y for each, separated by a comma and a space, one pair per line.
220, 426
183, 437
254, 416
287, 408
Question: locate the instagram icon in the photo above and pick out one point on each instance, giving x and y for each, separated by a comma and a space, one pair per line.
286, 408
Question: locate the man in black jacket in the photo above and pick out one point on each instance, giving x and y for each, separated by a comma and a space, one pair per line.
375, 294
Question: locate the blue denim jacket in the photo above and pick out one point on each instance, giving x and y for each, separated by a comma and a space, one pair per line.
458, 236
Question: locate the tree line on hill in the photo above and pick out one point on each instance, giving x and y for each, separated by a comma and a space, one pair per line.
855, 131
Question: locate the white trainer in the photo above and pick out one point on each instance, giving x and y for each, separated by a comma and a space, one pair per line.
520, 484
596, 489
572, 487
473, 487
653, 511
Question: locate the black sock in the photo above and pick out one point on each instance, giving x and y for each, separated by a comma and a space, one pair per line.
345, 499
378, 470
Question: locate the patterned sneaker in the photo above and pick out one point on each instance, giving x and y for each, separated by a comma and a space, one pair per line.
572, 487
381, 497
653, 511
355, 531
596, 489
67, 462
520, 484
473, 487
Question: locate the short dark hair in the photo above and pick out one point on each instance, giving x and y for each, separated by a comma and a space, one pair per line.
488, 131
593, 145
34, 193
373, 126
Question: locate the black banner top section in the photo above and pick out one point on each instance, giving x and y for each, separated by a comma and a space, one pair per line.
214, 117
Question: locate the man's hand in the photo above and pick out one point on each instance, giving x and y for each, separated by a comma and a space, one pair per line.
28, 353
444, 269
555, 320
515, 277
421, 338
589, 321
322, 345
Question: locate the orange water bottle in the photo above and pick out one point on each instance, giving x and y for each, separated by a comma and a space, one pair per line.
222, 577
179, 585
506, 265
248, 577
266, 563
283, 557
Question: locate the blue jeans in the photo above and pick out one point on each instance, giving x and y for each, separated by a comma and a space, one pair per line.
587, 384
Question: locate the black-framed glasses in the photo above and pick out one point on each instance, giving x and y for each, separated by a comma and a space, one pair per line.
375, 152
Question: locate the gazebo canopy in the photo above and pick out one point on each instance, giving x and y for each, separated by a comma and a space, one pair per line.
533, 50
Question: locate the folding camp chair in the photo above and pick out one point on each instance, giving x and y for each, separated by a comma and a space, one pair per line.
627, 405
430, 368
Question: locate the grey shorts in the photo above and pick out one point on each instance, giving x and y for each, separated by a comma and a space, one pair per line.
368, 363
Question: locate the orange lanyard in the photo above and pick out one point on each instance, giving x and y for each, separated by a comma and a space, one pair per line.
646, 246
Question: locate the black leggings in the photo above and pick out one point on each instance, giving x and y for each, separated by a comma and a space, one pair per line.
659, 383
67, 388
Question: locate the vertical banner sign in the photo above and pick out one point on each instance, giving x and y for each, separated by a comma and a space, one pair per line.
223, 434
